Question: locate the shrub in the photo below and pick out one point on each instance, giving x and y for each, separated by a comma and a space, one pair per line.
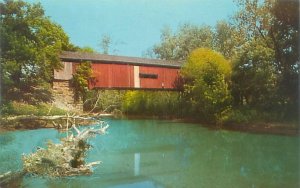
80, 80
207, 74
107, 100
247, 114
158, 103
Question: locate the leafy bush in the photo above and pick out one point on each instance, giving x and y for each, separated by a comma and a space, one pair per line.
107, 100
242, 116
158, 103
207, 96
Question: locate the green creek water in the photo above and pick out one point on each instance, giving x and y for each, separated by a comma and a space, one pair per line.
152, 153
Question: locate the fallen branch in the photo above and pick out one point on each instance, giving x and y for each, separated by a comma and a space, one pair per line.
113, 105
67, 157
55, 117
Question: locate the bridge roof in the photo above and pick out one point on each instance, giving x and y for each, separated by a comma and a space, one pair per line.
95, 57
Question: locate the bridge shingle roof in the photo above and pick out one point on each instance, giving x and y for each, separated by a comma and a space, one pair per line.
95, 57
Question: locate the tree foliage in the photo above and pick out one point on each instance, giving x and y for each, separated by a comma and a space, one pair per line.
207, 75
86, 49
285, 37
254, 80
81, 79
30, 47
224, 38
178, 46
271, 35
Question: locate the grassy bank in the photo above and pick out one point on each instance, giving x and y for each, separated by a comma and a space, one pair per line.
18, 116
19, 108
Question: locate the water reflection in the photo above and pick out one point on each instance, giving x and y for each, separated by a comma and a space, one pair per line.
137, 158
6, 139
144, 184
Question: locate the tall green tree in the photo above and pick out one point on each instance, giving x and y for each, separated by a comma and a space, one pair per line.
226, 39
276, 23
254, 80
30, 48
178, 46
284, 34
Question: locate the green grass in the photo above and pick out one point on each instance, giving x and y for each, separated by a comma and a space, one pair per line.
19, 108
247, 115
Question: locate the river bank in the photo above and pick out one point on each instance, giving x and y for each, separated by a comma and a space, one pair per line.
277, 128
25, 122
35, 122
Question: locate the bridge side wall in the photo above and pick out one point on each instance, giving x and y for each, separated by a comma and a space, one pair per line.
112, 76
132, 76
165, 77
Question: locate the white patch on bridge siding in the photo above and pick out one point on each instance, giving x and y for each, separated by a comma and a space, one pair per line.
136, 73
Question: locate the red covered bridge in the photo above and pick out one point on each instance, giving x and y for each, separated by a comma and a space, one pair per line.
120, 72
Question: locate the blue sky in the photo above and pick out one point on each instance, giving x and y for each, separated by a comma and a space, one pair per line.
133, 25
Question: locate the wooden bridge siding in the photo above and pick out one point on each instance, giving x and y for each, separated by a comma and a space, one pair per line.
112, 76
165, 79
122, 76
171, 75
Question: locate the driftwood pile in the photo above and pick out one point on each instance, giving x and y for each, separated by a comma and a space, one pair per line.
66, 158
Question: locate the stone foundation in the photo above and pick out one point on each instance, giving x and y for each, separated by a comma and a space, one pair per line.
64, 96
